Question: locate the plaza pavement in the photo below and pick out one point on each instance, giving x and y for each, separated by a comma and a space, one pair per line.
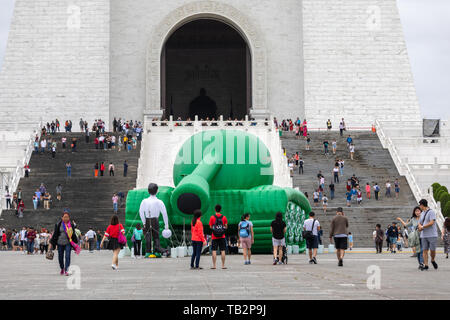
34, 277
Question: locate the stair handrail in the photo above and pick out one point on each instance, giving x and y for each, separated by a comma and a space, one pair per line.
405, 170
19, 170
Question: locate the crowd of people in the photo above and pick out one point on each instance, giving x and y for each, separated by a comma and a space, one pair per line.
125, 136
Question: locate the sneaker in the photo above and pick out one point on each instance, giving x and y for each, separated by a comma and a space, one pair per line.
340, 263
434, 264
424, 268
66, 273
249, 262
274, 261
311, 262
245, 263
280, 262
314, 260
191, 268
421, 266
114, 267
62, 272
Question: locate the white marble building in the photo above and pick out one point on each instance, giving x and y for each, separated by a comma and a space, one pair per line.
317, 59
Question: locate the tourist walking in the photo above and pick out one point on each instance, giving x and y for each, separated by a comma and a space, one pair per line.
96, 167
115, 201
149, 212
428, 234
102, 168
59, 192
137, 240
278, 230
111, 169
324, 203
413, 235
65, 239
378, 238
392, 233
197, 238
446, 236
90, 239
218, 223
368, 188
300, 165
336, 173
125, 168
397, 188
311, 228
339, 234
69, 169
376, 190
116, 236
351, 149
31, 235
388, 189
246, 237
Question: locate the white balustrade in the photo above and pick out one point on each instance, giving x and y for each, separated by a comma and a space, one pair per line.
18, 172
405, 170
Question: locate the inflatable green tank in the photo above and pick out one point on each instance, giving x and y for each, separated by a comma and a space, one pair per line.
234, 169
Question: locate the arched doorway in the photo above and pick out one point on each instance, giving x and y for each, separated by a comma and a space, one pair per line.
206, 70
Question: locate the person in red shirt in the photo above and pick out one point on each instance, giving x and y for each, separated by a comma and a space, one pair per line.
218, 224
198, 239
113, 232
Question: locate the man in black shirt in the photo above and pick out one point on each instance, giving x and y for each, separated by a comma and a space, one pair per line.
278, 229
300, 166
331, 186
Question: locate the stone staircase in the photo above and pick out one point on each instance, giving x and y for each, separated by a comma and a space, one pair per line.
371, 164
88, 199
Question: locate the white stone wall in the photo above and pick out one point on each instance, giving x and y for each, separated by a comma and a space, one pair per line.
280, 24
57, 61
356, 63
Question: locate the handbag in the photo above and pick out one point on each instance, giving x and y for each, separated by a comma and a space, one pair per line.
309, 234
49, 255
121, 238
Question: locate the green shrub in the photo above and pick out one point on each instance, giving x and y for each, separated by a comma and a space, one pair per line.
444, 199
446, 209
443, 188
439, 194
435, 186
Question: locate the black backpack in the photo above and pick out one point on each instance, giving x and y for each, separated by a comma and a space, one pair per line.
218, 228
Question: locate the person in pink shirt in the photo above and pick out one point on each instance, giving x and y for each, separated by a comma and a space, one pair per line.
115, 200
368, 190
305, 129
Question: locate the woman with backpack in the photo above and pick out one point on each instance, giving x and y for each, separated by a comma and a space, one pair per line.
198, 239
246, 237
116, 235
137, 240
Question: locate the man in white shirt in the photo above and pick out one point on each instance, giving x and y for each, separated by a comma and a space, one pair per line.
149, 212
90, 238
43, 145
312, 243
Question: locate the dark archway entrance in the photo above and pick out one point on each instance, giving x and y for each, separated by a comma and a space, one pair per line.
206, 70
